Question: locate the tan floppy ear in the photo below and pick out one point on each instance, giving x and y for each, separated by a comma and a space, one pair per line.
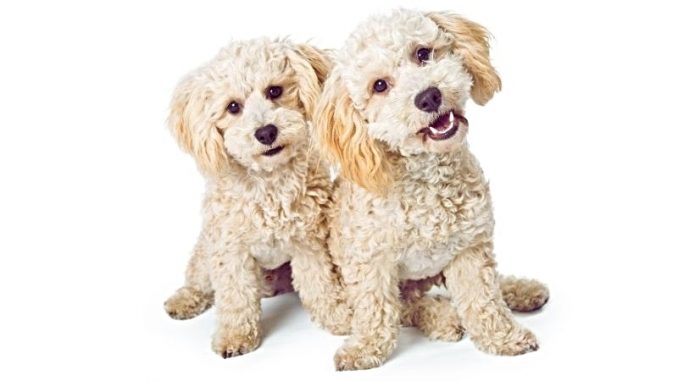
191, 123
471, 41
342, 136
311, 66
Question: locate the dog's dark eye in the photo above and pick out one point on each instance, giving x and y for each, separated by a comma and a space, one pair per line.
233, 107
380, 85
274, 92
423, 54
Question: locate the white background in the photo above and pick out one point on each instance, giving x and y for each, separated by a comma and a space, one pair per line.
99, 208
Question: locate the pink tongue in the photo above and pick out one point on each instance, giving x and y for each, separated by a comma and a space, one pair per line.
442, 122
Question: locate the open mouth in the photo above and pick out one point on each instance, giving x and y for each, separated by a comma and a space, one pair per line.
444, 126
273, 151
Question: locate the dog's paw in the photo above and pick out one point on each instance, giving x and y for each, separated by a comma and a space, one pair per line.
358, 357
524, 295
521, 342
187, 303
444, 330
439, 321
229, 345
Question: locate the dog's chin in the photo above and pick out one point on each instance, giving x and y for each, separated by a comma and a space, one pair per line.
444, 134
273, 157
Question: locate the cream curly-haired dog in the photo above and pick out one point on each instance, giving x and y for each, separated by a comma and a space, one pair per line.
244, 118
411, 202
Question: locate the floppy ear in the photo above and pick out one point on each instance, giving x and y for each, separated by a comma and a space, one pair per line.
342, 136
192, 124
471, 42
311, 66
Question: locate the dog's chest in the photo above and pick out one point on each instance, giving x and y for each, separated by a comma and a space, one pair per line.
278, 229
437, 219
270, 222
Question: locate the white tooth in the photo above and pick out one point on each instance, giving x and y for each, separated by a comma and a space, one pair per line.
440, 132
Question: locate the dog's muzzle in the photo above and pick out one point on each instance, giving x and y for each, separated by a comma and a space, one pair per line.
444, 126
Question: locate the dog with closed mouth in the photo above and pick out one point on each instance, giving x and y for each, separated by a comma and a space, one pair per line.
244, 117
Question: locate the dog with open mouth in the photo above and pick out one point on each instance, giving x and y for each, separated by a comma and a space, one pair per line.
411, 203
244, 117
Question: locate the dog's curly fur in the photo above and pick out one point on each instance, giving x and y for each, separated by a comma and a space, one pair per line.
408, 206
260, 211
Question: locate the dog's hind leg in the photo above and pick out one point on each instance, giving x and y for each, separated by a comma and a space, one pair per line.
197, 295
437, 318
434, 315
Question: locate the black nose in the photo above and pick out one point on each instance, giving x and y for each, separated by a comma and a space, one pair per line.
428, 100
267, 134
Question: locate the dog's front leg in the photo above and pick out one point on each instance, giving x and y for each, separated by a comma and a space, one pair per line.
473, 280
235, 277
372, 288
319, 287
